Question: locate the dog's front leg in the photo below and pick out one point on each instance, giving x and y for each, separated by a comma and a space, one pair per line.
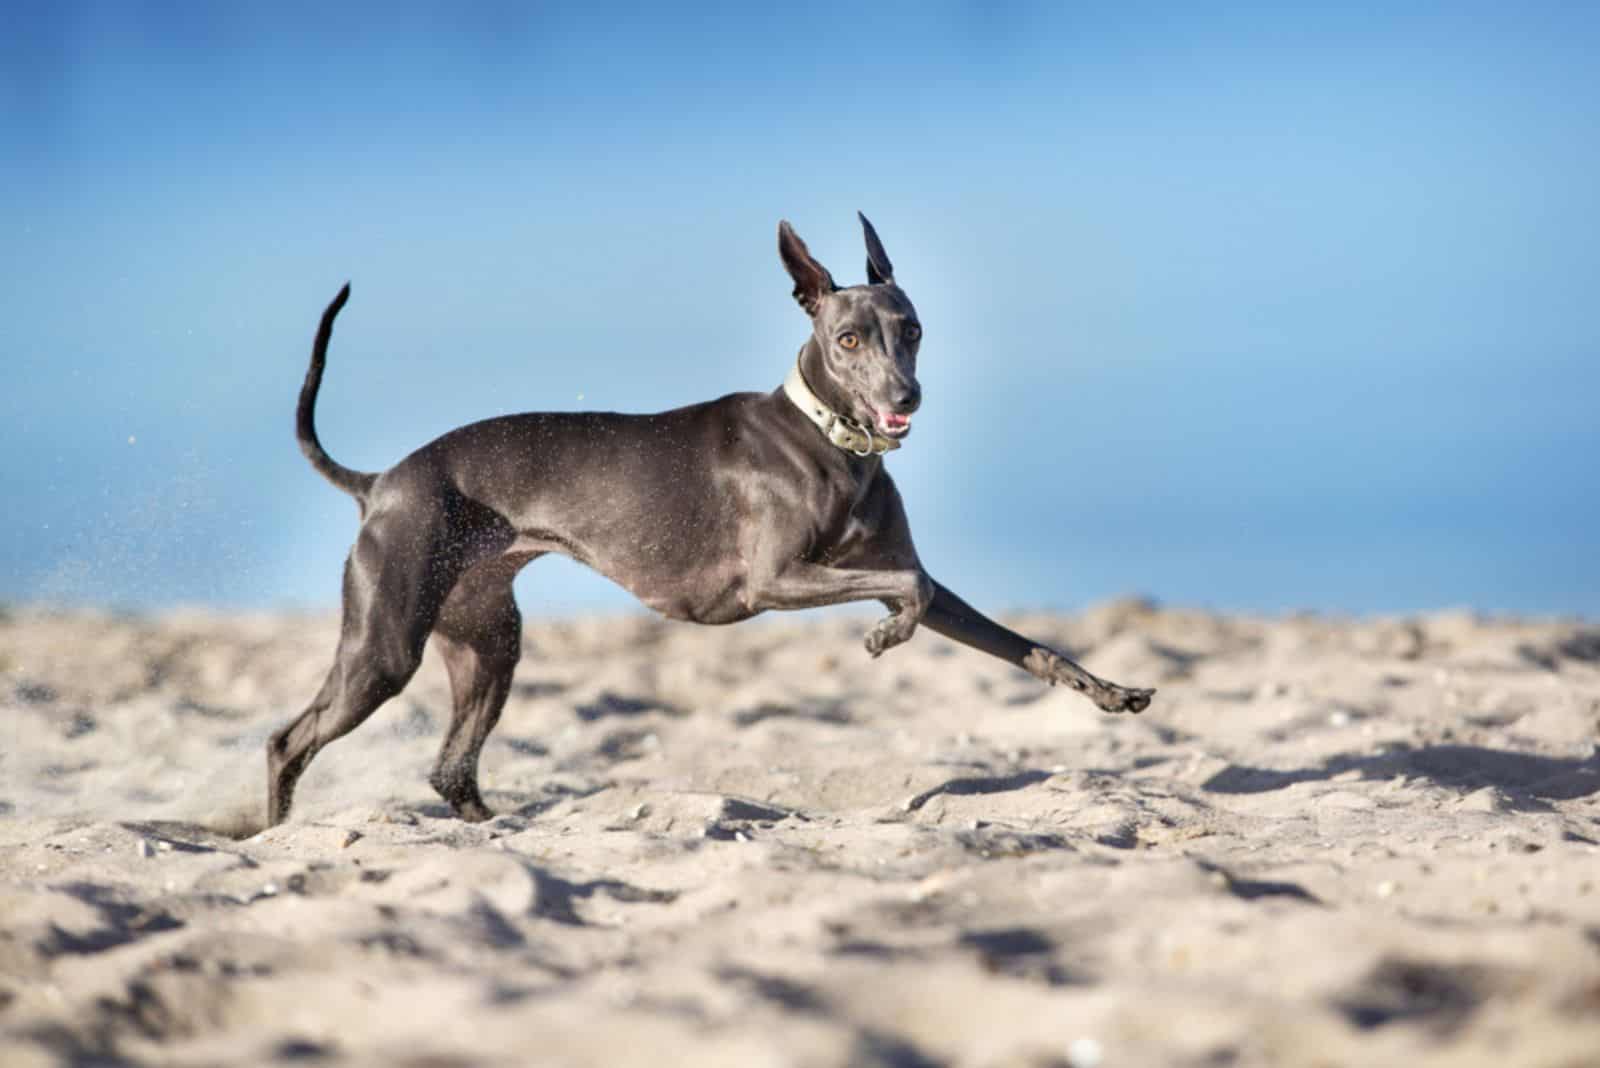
907, 592
954, 618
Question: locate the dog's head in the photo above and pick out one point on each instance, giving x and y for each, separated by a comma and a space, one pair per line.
868, 335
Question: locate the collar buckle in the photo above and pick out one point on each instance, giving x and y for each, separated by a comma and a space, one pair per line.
851, 436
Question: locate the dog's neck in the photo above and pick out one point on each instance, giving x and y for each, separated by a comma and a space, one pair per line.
810, 389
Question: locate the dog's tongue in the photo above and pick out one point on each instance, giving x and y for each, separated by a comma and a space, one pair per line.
892, 421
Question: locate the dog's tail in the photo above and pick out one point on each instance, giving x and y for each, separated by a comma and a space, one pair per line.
355, 483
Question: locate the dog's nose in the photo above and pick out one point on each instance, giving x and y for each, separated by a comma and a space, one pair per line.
908, 398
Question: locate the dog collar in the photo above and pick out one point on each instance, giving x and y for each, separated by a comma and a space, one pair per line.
843, 432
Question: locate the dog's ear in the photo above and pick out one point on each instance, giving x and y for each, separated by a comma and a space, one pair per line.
879, 269
811, 279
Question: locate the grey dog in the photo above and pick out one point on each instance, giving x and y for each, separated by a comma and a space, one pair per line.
711, 513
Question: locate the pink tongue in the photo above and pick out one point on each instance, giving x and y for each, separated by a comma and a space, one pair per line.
891, 421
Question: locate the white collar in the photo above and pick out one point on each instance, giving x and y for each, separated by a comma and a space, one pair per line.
843, 432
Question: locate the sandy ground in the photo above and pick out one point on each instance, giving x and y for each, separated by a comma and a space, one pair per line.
1327, 843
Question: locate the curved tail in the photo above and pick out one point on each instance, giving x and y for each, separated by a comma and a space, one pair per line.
355, 483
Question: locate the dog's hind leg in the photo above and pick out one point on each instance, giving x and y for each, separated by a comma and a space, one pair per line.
394, 583
479, 634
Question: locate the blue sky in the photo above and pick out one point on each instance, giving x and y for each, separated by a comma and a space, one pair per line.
1254, 307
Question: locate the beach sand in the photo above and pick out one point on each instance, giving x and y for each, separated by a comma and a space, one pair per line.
1326, 843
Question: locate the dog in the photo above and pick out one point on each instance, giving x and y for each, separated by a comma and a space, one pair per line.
711, 513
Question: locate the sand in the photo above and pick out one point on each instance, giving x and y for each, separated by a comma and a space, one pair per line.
1326, 843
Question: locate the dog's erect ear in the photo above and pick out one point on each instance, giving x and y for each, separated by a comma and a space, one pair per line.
879, 269
811, 279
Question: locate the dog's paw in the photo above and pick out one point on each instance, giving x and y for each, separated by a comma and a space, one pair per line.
888, 633
1056, 669
1119, 699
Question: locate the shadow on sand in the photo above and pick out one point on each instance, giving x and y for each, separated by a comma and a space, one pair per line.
1528, 779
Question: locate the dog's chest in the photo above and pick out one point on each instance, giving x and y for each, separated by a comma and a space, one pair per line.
847, 522
850, 544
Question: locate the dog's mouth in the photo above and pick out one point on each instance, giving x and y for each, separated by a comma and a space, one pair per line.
893, 424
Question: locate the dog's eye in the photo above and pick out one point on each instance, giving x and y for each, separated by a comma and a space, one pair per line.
848, 340
912, 332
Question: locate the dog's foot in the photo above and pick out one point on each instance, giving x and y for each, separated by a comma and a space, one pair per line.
1122, 699
459, 788
473, 811
1054, 668
889, 632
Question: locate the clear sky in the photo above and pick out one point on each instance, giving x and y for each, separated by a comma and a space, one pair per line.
1258, 307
